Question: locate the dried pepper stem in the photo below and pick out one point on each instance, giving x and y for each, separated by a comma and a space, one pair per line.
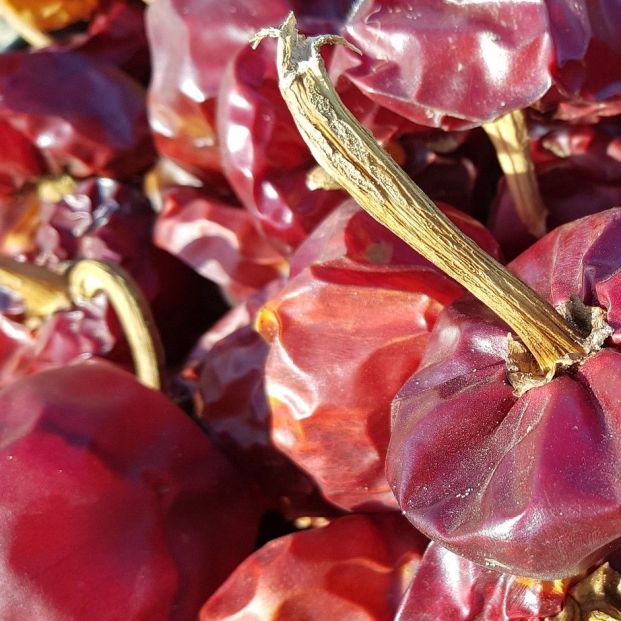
87, 278
350, 154
597, 597
45, 292
509, 135
29, 33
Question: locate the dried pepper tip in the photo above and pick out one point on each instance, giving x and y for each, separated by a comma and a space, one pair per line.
45, 292
352, 157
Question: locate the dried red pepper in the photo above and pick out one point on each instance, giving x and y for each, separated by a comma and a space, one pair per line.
356, 567
345, 331
113, 503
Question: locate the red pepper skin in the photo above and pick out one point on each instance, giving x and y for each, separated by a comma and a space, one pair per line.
454, 65
218, 240
85, 116
189, 59
356, 567
226, 374
65, 337
263, 155
117, 35
21, 162
448, 587
237, 415
346, 331
189, 62
527, 485
444, 64
587, 45
113, 504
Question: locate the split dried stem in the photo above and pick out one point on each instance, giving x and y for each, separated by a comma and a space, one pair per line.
509, 135
350, 154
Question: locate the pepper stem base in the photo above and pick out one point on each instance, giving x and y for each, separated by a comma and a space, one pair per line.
590, 321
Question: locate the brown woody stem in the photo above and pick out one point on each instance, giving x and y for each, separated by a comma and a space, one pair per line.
351, 155
29, 33
45, 292
509, 135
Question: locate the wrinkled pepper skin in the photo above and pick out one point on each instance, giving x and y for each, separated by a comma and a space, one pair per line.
233, 407
448, 587
345, 332
526, 485
446, 64
218, 240
456, 65
263, 155
356, 567
85, 116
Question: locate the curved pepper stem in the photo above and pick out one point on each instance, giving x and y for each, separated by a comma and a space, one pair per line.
350, 154
45, 292
87, 278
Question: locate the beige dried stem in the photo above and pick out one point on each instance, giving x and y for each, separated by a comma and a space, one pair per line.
509, 135
350, 154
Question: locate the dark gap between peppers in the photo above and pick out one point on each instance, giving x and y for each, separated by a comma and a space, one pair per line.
45, 292
351, 156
